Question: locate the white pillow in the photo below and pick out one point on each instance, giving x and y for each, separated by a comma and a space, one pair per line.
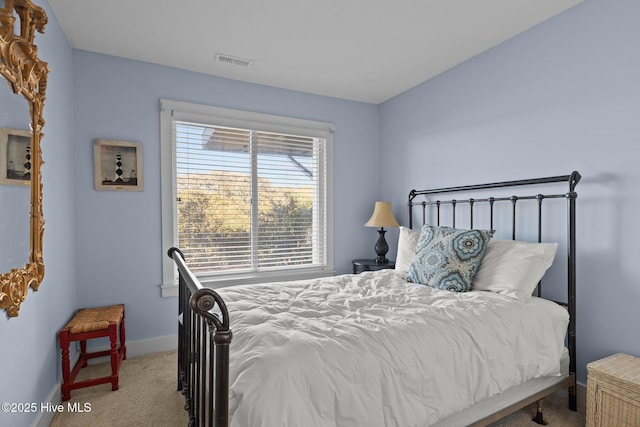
513, 268
407, 247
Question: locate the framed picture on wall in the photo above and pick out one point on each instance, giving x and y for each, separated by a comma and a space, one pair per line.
15, 156
117, 165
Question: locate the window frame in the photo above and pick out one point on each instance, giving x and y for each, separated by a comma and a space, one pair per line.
171, 110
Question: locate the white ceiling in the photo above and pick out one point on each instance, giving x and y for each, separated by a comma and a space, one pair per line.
363, 50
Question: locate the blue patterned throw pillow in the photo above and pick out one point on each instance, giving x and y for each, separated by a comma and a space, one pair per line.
448, 258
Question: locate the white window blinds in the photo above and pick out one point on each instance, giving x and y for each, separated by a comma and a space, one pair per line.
249, 199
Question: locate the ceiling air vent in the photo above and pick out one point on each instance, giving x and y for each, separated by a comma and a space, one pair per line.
233, 60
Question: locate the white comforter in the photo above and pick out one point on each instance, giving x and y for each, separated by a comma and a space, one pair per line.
374, 350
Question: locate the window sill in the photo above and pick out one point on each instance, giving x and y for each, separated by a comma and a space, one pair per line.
169, 291
214, 282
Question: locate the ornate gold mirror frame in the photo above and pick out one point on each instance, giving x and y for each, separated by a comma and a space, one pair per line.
26, 75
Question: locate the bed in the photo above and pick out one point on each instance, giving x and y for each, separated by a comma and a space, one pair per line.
399, 347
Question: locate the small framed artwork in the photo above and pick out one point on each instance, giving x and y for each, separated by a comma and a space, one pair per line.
117, 165
15, 156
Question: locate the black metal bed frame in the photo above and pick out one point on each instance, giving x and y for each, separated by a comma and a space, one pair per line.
572, 179
203, 349
204, 333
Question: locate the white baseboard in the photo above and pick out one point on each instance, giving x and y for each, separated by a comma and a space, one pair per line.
140, 348
45, 418
151, 346
134, 349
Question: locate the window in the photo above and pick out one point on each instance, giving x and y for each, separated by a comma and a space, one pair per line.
245, 195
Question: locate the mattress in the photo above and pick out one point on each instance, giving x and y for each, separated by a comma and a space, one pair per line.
374, 350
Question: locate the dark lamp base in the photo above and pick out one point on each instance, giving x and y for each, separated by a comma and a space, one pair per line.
382, 248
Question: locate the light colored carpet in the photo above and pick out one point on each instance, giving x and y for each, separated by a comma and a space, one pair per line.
148, 397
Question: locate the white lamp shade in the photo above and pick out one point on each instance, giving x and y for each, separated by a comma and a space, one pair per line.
382, 216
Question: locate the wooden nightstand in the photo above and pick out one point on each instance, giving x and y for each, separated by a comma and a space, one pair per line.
360, 265
613, 391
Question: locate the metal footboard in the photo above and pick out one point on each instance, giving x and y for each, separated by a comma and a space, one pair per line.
203, 349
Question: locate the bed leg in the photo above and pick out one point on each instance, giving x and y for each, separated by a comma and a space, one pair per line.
573, 401
538, 418
573, 396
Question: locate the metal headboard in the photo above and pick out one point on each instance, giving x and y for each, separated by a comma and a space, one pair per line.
572, 179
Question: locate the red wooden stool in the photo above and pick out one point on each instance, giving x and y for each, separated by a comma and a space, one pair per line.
86, 324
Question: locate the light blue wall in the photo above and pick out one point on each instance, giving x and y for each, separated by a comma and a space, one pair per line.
562, 96
29, 354
119, 233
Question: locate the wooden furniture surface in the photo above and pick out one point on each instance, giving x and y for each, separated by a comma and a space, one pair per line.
613, 391
360, 265
89, 323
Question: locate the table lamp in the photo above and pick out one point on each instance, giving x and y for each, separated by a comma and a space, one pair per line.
382, 217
